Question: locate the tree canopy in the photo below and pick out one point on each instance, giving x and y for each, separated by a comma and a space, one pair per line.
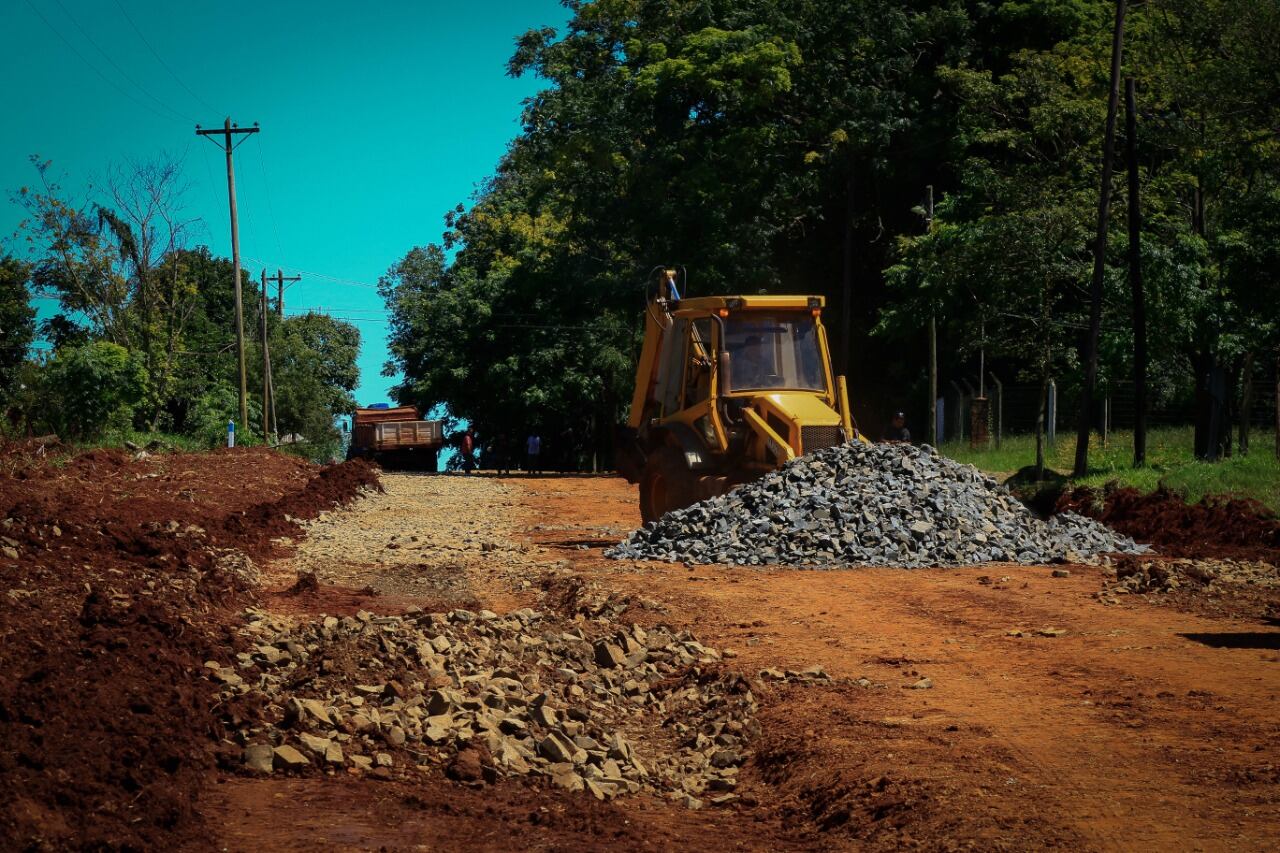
786, 146
144, 336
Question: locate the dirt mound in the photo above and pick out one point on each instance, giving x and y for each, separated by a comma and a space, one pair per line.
117, 579
1214, 527
336, 485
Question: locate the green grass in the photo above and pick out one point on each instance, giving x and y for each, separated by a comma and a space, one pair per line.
1170, 461
170, 441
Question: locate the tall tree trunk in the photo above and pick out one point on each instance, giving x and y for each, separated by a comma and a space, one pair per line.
846, 282
1135, 280
1206, 441
1040, 415
1090, 350
1246, 403
1232, 408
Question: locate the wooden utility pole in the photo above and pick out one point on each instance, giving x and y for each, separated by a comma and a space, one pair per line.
266, 367
271, 390
280, 278
933, 346
1090, 352
1135, 279
227, 133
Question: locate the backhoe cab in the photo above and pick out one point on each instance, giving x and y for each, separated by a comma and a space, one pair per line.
727, 389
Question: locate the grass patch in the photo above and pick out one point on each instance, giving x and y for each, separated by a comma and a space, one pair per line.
168, 440
1170, 462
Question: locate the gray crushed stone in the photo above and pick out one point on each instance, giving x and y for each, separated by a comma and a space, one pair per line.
875, 505
598, 706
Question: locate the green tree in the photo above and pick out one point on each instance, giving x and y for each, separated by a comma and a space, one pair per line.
93, 389
314, 369
783, 145
114, 262
17, 320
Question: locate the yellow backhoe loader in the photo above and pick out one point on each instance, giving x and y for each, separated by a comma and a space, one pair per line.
727, 389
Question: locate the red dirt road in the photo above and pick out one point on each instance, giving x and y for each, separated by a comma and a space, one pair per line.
992, 708
1141, 727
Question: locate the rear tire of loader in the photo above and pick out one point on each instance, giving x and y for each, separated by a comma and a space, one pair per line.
665, 484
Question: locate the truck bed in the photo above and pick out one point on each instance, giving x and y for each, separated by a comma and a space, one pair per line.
398, 435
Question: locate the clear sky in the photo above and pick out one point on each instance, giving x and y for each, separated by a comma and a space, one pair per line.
376, 117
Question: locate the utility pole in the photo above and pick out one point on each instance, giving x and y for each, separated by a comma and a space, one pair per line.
933, 346
227, 132
1135, 279
266, 367
280, 278
1090, 349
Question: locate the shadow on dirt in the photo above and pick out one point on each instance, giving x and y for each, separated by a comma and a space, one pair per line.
1237, 639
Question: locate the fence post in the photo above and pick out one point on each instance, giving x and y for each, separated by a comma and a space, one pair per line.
959, 416
966, 416
1106, 419
999, 408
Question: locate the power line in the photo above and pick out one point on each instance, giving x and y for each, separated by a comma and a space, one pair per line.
114, 65
160, 59
266, 185
95, 69
313, 274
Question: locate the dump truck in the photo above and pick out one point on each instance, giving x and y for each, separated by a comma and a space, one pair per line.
395, 437
727, 389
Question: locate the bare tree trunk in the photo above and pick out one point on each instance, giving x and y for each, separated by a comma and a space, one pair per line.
1090, 349
1232, 406
1040, 415
1246, 403
846, 282
1135, 280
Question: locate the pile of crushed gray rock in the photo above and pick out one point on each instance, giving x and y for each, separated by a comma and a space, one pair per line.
857, 504
589, 705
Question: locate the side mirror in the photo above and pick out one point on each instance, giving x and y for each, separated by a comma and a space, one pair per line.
725, 381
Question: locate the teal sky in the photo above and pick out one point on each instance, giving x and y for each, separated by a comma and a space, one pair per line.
376, 119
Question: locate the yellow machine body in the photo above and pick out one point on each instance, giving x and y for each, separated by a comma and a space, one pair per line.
727, 389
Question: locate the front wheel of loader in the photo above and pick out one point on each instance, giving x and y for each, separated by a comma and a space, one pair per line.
666, 483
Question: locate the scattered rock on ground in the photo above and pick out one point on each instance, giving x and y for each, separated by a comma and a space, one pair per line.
587, 705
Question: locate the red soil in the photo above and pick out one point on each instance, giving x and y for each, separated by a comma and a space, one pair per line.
1214, 527
114, 600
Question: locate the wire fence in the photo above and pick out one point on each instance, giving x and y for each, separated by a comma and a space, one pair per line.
1013, 409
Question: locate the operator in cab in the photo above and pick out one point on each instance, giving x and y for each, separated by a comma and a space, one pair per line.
754, 368
897, 431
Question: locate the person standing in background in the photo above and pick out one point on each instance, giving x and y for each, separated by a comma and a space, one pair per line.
897, 430
468, 448
533, 453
